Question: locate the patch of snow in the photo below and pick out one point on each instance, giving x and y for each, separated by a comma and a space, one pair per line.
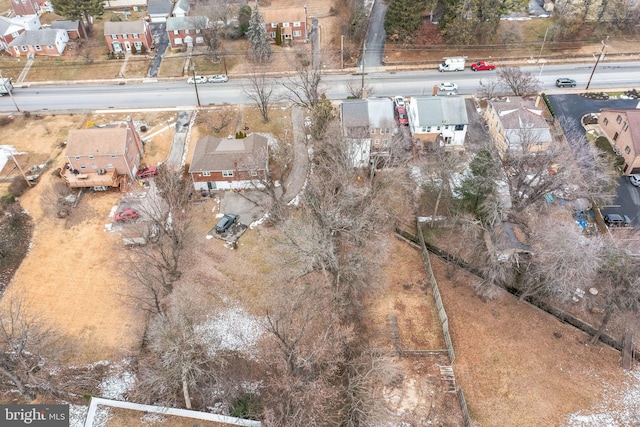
231, 329
615, 410
259, 221
117, 384
77, 415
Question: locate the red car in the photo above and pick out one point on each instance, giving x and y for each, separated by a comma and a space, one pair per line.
147, 172
483, 65
127, 215
401, 115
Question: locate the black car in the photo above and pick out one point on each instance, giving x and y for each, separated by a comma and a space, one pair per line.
616, 220
565, 82
225, 223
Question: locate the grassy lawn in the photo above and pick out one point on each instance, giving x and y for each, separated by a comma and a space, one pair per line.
138, 66
70, 68
171, 66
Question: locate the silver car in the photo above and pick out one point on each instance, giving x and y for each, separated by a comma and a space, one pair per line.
197, 79
220, 78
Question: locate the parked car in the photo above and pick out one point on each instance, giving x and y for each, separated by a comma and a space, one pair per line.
634, 180
147, 172
617, 220
401, 115
565, 82
448, 86
225, 223
220, 78
127, 215
197, 79
483, 65
398, 101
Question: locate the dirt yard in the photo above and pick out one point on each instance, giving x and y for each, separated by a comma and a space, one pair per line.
72, 275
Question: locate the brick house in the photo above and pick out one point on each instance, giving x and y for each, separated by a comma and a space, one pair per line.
188, 31
102, 156
291, 21
9, 30
25, 7
224, 164
46, 42
517, 123
622, 128
122, 35
75, 29
369, 125
438, 121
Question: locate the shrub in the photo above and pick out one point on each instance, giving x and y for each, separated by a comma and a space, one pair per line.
18, 186
5, 120
548, 104
134, 49
247, 406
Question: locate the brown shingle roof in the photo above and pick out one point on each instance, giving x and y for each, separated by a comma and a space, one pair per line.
518, 113
97, 141
291, 14
217, 154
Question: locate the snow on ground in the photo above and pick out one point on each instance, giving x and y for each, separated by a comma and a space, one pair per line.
616, 410
231, 329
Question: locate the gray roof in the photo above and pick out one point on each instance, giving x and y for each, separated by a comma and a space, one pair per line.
159, 7
187, 23
44, 37
360, 115
63, 24
124, 27
6, 23
218, 154
380, 112
182, 4
440, 110
355, 113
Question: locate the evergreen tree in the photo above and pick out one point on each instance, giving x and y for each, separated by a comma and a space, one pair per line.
244, 16
259, 47
79, 9
479, 185
278, 36
404, 17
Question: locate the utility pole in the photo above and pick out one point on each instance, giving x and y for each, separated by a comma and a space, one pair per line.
195, 83
600, 57
10, 94
20, 169
364, 52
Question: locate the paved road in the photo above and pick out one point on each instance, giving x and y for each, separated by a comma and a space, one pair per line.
376, 35
161, 37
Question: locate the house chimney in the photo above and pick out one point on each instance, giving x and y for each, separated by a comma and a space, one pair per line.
537, 104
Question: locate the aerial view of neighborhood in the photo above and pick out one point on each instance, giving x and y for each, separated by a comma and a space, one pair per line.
319, 213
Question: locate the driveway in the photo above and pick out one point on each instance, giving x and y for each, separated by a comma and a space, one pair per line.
569, 109
376, 35
159, 32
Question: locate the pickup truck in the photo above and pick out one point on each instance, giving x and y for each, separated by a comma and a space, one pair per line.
483, 65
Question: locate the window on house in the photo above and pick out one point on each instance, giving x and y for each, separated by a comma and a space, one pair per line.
619, 119
38, 47
125, 36
385, 143
438, 128
113, 156
254, 173
273, 34
605, 121
372, 130
627, 150
94, 166
296, 24
176, 32
285, 25
376, 142
77, 157
198, 31
274, 25
187, 31
49, 46
135, 35
427, 129
206, 173
24, 48
15, 34
83, 167
177, 41
459, 127
114, 37
625, 127
227, 174
297, 33
91, 156
199, 40
615, 136
109, 165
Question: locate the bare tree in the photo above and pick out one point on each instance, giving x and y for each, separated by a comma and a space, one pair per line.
261, 91
619, 279
358, 89
26, 344
304, 89
222, 118
303, 351
489, 88
182, 357
520, 83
